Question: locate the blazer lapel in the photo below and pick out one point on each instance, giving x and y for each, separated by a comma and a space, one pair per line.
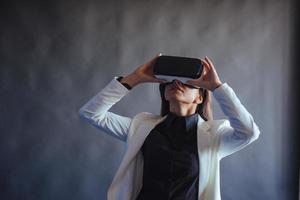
137, 141
142, 132
203, 133
205, 141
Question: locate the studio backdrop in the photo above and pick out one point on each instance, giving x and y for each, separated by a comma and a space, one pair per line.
56, 55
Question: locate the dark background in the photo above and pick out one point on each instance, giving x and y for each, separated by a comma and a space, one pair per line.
56, 55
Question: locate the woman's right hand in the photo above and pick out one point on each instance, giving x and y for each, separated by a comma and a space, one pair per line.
143, 74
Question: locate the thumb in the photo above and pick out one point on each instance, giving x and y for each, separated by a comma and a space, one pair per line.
157, 55
191, 82
161, 81
157, 80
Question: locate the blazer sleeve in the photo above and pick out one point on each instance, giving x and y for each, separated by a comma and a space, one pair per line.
239, 129
96, 110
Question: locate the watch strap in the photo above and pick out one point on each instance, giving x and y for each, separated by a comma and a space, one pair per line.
125, 84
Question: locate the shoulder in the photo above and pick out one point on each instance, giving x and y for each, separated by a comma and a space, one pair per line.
216, 126
146, 116
142, 119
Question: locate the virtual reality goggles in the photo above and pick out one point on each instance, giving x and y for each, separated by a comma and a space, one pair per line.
183, 69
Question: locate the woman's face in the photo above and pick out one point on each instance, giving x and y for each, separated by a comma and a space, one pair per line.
179, 92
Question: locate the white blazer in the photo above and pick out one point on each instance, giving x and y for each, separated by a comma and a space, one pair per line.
215, 138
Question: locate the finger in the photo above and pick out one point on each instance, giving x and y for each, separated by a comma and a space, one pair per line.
151, 62
206, 64
212, 65
157, 55
205, 68
198, 80
209, 61
161, 81
190, 81
158, 80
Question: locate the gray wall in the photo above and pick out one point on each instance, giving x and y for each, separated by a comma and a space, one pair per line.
55, 56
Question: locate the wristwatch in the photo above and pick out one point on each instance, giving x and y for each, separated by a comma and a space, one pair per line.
125, 84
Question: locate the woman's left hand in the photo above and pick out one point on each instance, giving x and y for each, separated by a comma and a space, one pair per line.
209, 78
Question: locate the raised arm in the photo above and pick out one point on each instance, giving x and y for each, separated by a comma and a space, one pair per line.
96, 110
240, 129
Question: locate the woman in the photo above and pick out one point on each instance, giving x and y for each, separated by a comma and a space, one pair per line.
174, 155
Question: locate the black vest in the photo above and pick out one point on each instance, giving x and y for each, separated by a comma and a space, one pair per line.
171, 163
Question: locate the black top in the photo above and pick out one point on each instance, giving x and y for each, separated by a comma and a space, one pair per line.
171, 163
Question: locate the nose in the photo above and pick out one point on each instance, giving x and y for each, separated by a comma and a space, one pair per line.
175, 81
177, 84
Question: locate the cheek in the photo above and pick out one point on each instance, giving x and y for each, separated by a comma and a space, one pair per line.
191, 95
169, 94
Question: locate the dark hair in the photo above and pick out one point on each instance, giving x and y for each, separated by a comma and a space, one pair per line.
203, 109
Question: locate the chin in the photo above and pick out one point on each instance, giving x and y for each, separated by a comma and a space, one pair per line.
175, 98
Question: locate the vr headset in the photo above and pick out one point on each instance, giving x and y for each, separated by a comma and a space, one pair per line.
175, 67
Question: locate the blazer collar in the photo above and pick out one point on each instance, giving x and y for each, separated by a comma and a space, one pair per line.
135, 143
188, 122
202, 124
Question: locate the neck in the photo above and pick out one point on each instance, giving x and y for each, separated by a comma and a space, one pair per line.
181, 109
